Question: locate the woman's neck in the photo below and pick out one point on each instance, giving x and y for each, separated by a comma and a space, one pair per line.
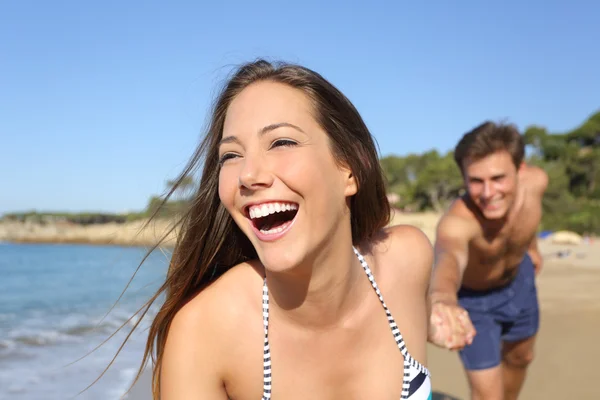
322, 292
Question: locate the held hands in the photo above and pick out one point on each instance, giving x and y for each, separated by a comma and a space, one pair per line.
450, 326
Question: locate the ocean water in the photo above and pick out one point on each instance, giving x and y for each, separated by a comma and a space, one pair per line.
54, 301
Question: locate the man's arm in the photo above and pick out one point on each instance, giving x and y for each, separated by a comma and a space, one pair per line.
451, 256
539, 182
450, 326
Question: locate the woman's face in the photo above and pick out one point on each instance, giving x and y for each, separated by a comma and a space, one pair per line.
278, 177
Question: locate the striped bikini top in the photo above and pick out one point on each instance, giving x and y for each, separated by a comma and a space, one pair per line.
416, 383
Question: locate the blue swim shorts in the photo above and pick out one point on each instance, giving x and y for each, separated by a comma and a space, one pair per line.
506, 314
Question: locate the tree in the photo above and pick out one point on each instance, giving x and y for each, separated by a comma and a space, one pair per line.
423, 181
572, 162
184, 188
439, 181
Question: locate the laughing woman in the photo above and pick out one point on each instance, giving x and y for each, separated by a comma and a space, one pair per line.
286, 281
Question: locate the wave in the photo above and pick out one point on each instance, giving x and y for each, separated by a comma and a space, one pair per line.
73, 328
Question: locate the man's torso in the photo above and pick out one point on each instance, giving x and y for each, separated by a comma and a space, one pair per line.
496, 251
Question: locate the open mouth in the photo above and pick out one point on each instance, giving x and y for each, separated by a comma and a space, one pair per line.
272, 218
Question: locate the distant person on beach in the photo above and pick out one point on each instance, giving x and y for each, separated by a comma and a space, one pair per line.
277, 282
483, 293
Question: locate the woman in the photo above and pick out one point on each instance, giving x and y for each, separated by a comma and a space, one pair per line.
292, 206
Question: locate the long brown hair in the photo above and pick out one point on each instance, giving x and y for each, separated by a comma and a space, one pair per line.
209, 242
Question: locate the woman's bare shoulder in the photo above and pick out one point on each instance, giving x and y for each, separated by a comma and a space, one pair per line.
405, 253
194, 361
404, 258
217, 312
226, 301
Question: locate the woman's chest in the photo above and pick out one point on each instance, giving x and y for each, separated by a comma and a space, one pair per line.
347, 362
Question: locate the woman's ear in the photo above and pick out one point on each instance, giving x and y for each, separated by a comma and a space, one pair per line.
351, 184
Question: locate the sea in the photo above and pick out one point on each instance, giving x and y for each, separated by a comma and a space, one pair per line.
58, 308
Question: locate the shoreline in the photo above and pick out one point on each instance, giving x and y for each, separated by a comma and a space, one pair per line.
83, 242
134, 234
128, 234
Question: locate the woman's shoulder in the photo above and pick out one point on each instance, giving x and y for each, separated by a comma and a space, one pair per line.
223, 306
404, 252
405, 260
203, 345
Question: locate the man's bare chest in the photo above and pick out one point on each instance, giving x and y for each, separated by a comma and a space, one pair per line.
510, 243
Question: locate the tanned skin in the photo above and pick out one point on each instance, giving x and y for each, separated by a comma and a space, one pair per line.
481, 240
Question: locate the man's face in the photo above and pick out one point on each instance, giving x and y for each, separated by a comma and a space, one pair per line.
492, 183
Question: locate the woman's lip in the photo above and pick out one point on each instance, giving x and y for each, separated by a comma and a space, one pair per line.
271, 237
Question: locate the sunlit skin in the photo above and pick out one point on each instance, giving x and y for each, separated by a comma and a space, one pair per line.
274, 150
481, 241
329, 336
492, 184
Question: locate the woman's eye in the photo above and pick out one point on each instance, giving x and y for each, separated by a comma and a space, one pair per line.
226, 156
283, 143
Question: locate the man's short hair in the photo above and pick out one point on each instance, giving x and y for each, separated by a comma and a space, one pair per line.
489, 138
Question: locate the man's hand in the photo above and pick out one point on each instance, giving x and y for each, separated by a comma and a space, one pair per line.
450, 326
537, 260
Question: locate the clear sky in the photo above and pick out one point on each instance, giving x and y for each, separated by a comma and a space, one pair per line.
101, 102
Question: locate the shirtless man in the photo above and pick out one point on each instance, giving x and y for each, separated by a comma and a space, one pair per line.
483, 294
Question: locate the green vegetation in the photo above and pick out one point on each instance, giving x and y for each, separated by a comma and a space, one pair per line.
74, 218
430, 181
179, 202
169, 209
422, 181
571, 159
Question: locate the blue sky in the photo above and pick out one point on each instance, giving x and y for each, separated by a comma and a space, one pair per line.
101, 103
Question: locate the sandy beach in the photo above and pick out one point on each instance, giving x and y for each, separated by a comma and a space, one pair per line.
565, 365
566, 354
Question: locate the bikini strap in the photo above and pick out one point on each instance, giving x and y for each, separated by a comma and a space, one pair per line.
408, 359
266, 349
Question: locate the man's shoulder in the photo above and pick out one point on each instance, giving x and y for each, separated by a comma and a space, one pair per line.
536, 179
459, 217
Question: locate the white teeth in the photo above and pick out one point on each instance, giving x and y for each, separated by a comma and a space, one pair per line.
255, 213
271, 231
263, 210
